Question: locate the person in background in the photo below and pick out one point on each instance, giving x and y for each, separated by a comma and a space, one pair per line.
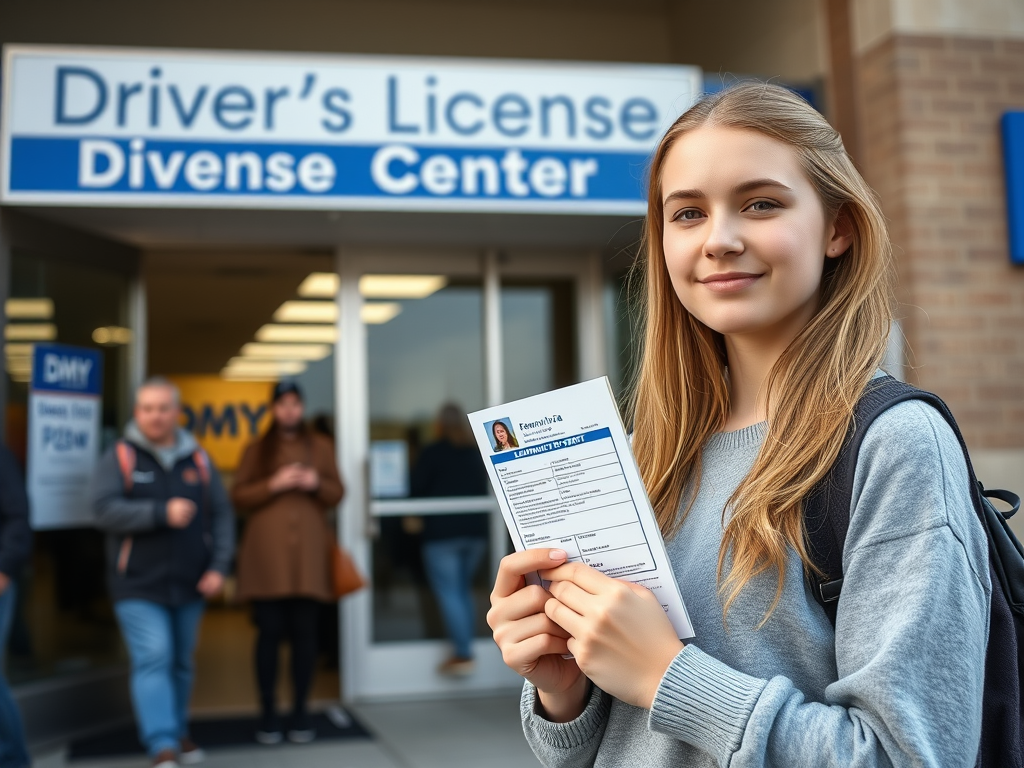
15, 548
453, 544
287, 481
170, 541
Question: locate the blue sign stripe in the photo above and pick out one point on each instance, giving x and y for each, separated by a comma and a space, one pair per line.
62, 368
96, 166
552, 445
1013, 154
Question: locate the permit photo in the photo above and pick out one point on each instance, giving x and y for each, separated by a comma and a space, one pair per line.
564, 475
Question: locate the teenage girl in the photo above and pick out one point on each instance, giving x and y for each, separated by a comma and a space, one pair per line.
769, 291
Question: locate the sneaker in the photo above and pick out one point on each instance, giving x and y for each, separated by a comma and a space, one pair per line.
301, 732
190, 753
268, 737
166, 758
269, 730
457, 666
339, 718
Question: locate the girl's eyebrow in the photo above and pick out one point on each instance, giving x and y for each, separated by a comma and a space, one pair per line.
747, 186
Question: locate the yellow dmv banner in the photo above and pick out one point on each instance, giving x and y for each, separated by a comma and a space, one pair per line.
224, 415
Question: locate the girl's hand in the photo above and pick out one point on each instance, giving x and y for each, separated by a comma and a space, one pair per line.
531, 644
620, 635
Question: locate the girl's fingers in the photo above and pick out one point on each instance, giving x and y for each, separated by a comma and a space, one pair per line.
524, 655
515, 566
526, 602
540, 624
589, 579
572, 596
565, 617
532, 626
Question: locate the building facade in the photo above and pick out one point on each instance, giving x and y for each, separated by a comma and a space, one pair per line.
504, 275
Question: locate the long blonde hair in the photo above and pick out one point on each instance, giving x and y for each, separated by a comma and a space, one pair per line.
681, 396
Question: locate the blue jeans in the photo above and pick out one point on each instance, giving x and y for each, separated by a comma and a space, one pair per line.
160, 642
13, 753
450, 565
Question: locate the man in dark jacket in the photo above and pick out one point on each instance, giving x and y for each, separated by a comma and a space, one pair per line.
170, 541
15, 548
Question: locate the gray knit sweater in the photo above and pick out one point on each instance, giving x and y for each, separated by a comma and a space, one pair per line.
898, 683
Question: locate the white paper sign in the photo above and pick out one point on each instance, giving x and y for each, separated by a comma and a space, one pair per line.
63, 434
564, 474
389, 469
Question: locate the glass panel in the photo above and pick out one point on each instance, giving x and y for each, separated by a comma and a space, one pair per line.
63, 620
538, 336
427, 355
430, 353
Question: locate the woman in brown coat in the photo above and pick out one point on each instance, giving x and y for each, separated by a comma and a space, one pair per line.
287, 481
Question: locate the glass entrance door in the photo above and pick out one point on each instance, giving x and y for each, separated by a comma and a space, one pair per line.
422, 341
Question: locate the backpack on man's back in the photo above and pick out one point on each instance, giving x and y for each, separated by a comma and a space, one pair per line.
827, 519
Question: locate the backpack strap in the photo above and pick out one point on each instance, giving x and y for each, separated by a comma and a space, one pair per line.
126, 458
827, 508
126, 461
202, 462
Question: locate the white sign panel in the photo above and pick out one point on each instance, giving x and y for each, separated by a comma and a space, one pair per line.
92, 126
63, 434
389, 469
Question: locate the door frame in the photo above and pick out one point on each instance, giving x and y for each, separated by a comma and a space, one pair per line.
406, 669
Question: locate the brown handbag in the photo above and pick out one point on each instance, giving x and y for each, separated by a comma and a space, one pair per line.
345, 577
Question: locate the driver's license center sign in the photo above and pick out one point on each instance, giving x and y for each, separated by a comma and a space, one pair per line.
144, 127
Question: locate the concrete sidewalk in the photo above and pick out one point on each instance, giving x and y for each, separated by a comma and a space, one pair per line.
463, 733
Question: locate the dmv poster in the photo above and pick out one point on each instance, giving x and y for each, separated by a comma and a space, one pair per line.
225, 416
63, 433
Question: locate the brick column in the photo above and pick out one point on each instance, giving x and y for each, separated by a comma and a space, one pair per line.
929, 110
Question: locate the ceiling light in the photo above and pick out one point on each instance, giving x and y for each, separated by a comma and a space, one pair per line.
233, 375
307, 312
112, 334
319, 285
29, 309
286, 351
245, 365
400, 286
18, 350
310, 334
30, 331
379, 312
19, 369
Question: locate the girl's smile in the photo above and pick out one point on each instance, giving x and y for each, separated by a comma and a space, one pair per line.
729, 282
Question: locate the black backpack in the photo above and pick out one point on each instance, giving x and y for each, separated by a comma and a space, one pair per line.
827, 518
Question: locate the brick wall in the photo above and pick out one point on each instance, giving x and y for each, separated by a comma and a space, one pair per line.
929, 110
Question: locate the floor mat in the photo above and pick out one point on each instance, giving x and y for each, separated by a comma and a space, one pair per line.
213, 733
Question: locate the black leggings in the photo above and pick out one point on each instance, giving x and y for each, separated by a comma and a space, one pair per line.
294, 618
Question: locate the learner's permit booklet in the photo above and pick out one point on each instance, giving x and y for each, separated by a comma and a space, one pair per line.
564, 474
